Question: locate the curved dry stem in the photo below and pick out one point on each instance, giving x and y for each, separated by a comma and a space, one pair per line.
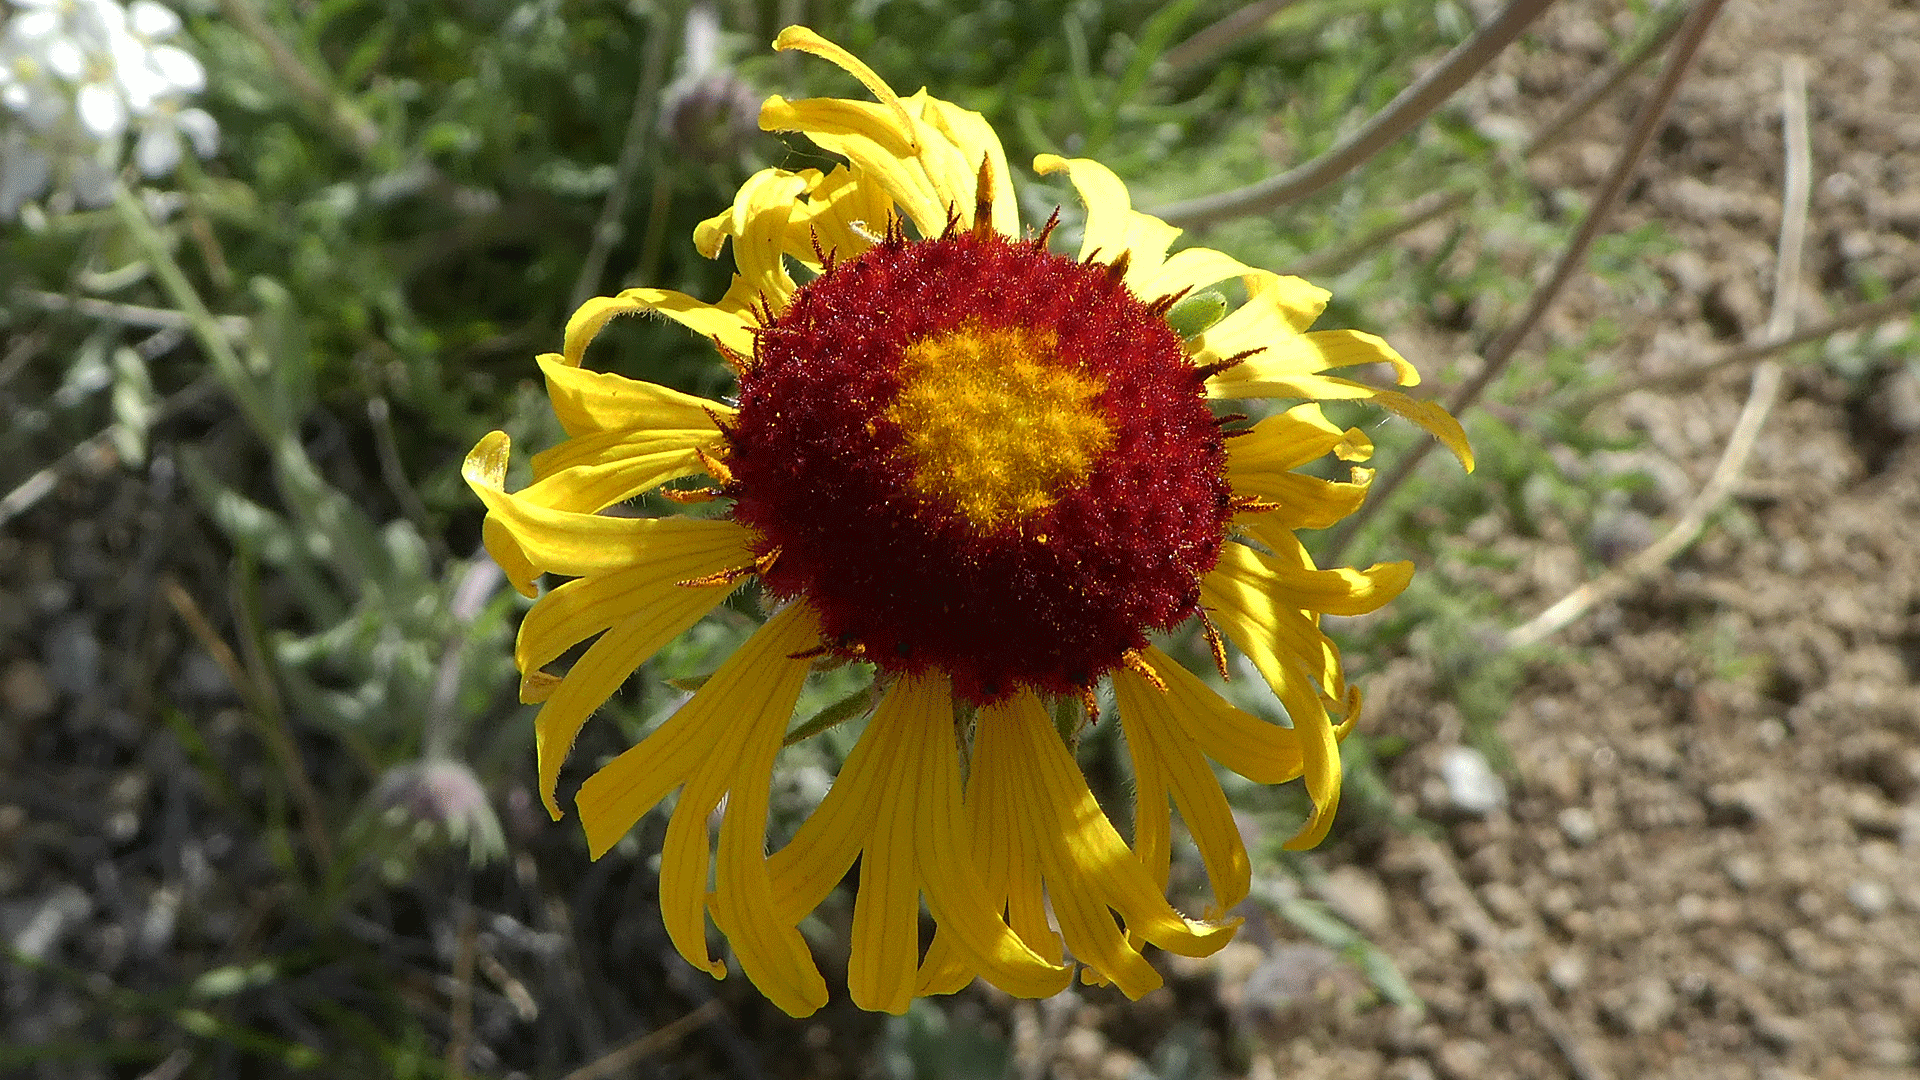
1500, 353
1400, 116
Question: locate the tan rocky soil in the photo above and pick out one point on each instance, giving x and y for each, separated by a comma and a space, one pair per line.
1709, 864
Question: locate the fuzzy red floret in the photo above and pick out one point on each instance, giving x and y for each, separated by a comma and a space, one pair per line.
1049, 602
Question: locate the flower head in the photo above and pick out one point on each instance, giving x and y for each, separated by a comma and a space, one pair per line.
992, 472
76, 76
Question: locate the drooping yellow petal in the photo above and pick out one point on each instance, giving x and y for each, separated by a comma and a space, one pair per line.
583, 476
1162, 746
757, 224
897, 805
1260, 464
1113, 226
878, 144
769, 948
1285, 367
706, 740
1277, 307
557, 541
1089, 871
640, 621
842, 216
1262, 752
1254, 583
731, 326
595, 401
681, 549
924, 152
1245, 601
589, 473
757, 676
1289, 440
1339, 590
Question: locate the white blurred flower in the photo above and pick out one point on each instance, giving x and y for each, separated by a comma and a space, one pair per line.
76, 77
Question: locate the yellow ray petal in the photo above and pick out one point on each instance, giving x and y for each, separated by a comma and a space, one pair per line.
1306, 502
901, 786
885, 947
589, 473
1152, 812
606, 664
1088, 868
758, 676
1254, 586
591, 401
1276, 308
962, 904
1162, 745
1241, 597
770, 949
1113, 226
757, 223
561, 541
1288, 440
970, 133
881, 150
730, 326
1262, 752
842, 216
806, 40
1258, 381
683, 549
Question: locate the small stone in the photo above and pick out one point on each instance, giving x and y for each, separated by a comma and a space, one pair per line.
1473, 788
1640, 1009
28, 695
1410, 1069
1567, 972
1870, 897
1464, 1059
1779, 1033
45, 922
1740, 804
73, 656
1579, 826
1358, 897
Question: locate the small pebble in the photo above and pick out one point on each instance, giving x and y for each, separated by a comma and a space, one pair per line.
1473, 788
1870, 897
1578, 825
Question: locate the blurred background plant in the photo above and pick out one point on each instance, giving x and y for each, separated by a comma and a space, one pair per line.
239, 383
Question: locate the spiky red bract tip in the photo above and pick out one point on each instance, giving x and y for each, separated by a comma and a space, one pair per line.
1048, 600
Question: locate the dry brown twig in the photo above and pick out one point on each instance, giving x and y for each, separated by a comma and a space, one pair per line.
1501, 352
651, 1043
1760, 398
1440, 203
1401, 115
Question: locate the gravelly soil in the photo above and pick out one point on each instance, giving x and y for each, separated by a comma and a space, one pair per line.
1707, 863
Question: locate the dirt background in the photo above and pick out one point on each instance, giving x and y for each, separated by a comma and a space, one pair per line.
1708, 860
1705, 861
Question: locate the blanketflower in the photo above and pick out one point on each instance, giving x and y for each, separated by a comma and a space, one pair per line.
991, 472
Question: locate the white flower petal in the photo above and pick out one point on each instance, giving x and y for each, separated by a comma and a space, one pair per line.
179, 68
65, 59
24, 172
158, 151
102, 112
200, 129
152, 21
